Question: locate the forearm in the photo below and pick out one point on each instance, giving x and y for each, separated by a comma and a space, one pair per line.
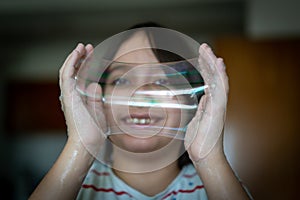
219, 179
64, 179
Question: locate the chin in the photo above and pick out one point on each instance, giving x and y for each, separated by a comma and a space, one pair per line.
138, 144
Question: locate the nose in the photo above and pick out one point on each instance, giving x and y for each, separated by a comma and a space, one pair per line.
147, 105
142, 98
152, 96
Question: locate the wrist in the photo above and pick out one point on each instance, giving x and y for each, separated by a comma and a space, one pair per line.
76, 148
219, 178
211, 161
216, 158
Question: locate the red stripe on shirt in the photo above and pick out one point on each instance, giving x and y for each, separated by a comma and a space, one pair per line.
184, 191
85, 186
189, 175
100, 173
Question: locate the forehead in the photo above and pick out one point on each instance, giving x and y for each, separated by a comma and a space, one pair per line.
136, 49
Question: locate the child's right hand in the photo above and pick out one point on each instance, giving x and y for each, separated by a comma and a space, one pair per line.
82, 128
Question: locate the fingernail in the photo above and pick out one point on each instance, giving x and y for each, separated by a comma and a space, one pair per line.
89, 45
203, 46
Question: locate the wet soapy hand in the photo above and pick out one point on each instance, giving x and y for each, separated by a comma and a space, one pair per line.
206, 128
82, 127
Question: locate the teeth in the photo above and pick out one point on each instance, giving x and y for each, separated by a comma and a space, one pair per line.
128, 120
138, 121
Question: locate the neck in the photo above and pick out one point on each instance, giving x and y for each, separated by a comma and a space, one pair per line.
149, 173
145, 162
150, 183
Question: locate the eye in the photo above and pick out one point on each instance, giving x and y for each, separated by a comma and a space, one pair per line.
161, 82
121, 81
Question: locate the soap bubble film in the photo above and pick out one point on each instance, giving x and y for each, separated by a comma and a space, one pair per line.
142, 88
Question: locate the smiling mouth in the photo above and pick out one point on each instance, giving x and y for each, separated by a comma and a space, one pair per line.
138, 121
141, 120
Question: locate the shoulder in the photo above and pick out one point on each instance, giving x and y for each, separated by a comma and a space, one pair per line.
98, 181
97, 173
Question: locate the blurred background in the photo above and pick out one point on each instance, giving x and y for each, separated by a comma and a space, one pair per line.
259, 40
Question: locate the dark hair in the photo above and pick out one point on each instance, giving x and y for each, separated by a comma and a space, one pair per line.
163, 56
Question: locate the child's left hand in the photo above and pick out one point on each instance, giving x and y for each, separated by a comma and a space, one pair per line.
205, 131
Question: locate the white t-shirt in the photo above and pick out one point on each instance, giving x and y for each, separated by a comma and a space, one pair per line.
102, 183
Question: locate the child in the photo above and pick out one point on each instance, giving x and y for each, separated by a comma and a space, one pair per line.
146, 175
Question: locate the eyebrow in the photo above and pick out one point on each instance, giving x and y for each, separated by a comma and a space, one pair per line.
116, 67
112, 68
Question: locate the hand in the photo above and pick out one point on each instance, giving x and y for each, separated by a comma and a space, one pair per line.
82, 126
205, 131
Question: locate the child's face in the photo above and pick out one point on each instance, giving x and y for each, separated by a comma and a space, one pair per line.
122, 81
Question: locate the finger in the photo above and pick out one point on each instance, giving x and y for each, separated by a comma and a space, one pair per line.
66, 80
69, 60
93, 92
64, 65
81, 49
73, 63
89, 48
206, 72
80, 72
213, 70
207, 52
221, 86
217, 66
223, 75
200, 124
204, 62
62, 70
95, 105
214, 75
69, 67
202, 105
82, 53
87, 57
